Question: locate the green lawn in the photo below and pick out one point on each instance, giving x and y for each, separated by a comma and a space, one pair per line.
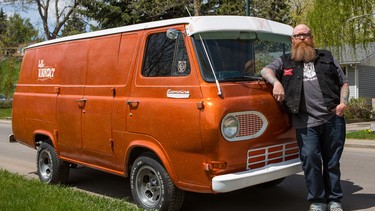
5, 112
19, 193
362, 134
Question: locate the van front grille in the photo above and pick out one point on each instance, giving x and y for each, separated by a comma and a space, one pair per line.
260, 157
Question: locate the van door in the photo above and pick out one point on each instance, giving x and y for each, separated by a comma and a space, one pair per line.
164, 100
99, 95
70, 104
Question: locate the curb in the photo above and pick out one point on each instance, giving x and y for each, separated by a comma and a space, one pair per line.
356, 143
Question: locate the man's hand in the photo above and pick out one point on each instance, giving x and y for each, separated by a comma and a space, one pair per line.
340, 109
278, 91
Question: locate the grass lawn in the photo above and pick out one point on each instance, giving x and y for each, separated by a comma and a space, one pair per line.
362, 134
5, 112
19, 193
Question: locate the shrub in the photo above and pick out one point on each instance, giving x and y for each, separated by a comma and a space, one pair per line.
359, 108
5, 104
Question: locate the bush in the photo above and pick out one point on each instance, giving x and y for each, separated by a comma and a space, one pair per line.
359, 108
5, 104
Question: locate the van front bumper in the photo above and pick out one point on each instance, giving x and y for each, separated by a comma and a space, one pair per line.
235, 181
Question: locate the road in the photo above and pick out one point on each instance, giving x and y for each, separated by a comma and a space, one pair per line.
358, 183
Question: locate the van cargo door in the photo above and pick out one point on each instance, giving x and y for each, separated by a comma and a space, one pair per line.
99, 95
70, 103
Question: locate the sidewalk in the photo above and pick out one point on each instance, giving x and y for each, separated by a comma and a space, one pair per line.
350, 127
360, 143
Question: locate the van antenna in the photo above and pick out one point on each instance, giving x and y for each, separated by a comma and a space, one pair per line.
188, 12
219, 93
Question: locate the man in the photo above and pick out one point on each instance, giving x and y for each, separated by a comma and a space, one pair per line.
315, 91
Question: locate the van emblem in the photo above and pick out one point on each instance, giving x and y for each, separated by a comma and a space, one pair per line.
45, 72
181, 66
180, 94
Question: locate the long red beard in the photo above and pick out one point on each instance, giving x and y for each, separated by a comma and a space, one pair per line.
303, 52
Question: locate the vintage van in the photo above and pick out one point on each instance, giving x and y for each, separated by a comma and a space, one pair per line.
175, 105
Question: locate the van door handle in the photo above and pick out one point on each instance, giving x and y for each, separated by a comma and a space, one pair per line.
83, 100
133, 104
81, 103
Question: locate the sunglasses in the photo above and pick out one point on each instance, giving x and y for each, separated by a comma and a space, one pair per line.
299, 36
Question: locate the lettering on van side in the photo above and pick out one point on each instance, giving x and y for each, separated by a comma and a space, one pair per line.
45, 72
181, 94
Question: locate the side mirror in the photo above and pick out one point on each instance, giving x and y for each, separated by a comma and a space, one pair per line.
172, 34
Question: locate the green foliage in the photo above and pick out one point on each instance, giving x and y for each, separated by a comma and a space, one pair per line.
362, 134
19, 31
114, 13
339, 22
299, 10
19, 193
75, 25
276, 10
108, 13
9, 71
5, 112
359, 108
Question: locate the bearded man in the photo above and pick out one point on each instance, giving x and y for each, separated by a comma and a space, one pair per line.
314, 89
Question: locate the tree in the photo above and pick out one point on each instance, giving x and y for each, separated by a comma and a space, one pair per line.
75, 25
9, 71
299, 10
107, 13
340, 22
276, 10
62, 11
17, 32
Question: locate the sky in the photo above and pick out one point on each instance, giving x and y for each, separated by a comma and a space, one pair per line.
31, 12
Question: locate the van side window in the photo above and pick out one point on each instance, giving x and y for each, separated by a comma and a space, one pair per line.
165, 57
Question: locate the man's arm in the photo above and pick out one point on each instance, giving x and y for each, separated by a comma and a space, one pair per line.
278, 89
344, 97
344, 92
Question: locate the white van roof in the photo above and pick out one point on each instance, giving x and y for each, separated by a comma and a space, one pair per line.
195, 24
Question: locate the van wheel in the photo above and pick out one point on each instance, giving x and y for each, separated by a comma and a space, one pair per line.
50, 168
151, 186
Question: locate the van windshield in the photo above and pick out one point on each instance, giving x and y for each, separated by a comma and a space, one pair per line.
237, 56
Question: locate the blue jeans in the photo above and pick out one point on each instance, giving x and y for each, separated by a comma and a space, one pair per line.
320, 151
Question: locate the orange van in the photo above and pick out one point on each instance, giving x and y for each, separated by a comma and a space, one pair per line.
176, 105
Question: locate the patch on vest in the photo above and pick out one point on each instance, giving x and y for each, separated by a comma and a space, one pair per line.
288, 72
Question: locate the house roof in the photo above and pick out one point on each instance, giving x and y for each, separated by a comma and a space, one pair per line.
350, 55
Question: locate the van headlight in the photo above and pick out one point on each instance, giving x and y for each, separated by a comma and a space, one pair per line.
229, 126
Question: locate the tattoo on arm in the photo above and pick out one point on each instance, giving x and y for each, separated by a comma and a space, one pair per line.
344, 94
269, 75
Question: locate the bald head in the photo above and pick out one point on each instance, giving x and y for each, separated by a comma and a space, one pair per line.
301, 29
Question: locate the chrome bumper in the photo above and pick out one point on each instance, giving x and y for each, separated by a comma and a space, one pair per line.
235, 181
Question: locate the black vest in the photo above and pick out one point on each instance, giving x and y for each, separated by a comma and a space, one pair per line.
291, 78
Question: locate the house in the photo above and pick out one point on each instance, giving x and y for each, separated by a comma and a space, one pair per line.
359, 66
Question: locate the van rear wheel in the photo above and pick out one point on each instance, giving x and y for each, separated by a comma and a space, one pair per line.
151, 186
50, 168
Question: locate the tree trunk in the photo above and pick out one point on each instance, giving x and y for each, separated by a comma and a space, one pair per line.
197, 7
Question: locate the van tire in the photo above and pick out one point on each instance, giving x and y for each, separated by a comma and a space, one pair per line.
50, 168
151, 186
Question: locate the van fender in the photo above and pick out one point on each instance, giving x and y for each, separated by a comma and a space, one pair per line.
159, 151
44, 133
